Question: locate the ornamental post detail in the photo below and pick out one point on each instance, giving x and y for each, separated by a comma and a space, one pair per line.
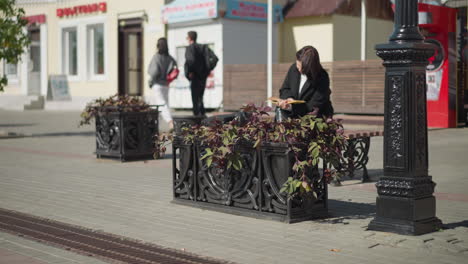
405, 202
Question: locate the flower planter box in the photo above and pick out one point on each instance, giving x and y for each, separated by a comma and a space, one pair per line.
126, 135
185, 121
252, 191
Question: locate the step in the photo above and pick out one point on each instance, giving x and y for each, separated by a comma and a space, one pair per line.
16, 102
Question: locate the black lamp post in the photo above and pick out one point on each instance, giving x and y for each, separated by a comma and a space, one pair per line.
405, 204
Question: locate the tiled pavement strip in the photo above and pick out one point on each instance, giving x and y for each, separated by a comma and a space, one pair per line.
57, 177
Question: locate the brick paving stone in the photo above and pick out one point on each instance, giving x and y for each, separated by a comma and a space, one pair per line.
17, 250
58, 177
10, 257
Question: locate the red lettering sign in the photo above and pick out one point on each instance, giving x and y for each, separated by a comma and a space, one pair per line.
37, 19
82, 9
103, 7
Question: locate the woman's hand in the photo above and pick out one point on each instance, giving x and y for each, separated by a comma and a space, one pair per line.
285, 104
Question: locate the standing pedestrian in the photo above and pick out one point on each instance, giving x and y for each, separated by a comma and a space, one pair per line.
196, 72
161, 65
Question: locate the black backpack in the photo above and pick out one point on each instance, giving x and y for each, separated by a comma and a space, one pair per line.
210, 58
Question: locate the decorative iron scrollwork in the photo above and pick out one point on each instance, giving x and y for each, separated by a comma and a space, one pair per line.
229, 186
126, 135
184, 174
255, 187
107, 133
406, 187
356, 156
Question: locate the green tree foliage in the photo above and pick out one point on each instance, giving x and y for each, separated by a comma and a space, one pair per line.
13, 40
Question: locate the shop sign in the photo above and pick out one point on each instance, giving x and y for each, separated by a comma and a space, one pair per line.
252, 11
189, 10
58, 88
82, 9
37, 19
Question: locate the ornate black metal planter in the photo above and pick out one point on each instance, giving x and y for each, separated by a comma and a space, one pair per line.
252, 191
126, 135
185, 121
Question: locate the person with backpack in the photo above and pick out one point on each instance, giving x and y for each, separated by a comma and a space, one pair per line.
199, 62
162, 70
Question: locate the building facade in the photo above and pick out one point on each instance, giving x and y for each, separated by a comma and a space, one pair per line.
235, 30
334, 28
103, 47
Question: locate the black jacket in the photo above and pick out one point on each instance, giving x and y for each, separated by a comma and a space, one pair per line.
195, 61
316, 93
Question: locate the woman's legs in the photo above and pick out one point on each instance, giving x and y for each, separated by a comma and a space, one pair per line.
161, 93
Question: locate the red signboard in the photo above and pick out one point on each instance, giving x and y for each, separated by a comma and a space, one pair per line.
82, 9
37, 19
440, 28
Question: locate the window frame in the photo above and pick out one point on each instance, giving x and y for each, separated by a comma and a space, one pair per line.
65, 60
12, 78
83, 48
90, 53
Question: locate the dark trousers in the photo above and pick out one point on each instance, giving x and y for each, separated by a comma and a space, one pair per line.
198, 89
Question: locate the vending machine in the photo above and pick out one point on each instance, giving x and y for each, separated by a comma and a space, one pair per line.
438, 25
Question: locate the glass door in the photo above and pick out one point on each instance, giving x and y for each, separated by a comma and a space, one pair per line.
130, 57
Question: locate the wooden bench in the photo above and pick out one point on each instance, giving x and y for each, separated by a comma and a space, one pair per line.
356, 152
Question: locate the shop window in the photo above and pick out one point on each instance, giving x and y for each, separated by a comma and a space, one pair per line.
11, 70
96, 49
69, 51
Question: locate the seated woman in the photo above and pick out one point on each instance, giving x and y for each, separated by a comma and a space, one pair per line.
308, 81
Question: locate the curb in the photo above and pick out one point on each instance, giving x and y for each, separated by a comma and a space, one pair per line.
8, 135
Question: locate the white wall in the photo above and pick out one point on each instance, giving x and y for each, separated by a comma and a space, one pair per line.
302, 31
179, 94
245, 42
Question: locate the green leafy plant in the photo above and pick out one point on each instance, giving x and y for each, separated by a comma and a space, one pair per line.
114, 103
13, 39
161, 143
218, 141
311, 139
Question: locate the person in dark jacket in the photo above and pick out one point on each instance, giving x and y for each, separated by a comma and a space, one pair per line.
196, 72
306, 80
161, 65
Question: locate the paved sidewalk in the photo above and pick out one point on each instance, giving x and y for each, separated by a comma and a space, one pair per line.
16, 250
56, 176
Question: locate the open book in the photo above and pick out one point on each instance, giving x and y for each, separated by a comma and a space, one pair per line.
276, 100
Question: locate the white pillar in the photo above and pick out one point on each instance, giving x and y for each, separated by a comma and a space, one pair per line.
270, 51
24, 71
44, 56
363, 29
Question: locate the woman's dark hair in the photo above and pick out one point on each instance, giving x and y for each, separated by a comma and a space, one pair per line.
310, 60
162, 46
192, 35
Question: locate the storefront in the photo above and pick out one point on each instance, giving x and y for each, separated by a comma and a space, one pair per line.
103, 47
235, 30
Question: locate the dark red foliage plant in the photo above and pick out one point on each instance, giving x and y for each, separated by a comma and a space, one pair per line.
310, 138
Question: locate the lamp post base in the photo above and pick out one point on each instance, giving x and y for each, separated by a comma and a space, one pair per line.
405, 227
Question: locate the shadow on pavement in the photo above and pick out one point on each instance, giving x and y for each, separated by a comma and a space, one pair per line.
18, 125
463, 223
65, 134
340, 211
374, 175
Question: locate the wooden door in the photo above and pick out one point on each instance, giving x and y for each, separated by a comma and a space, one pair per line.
131, 66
